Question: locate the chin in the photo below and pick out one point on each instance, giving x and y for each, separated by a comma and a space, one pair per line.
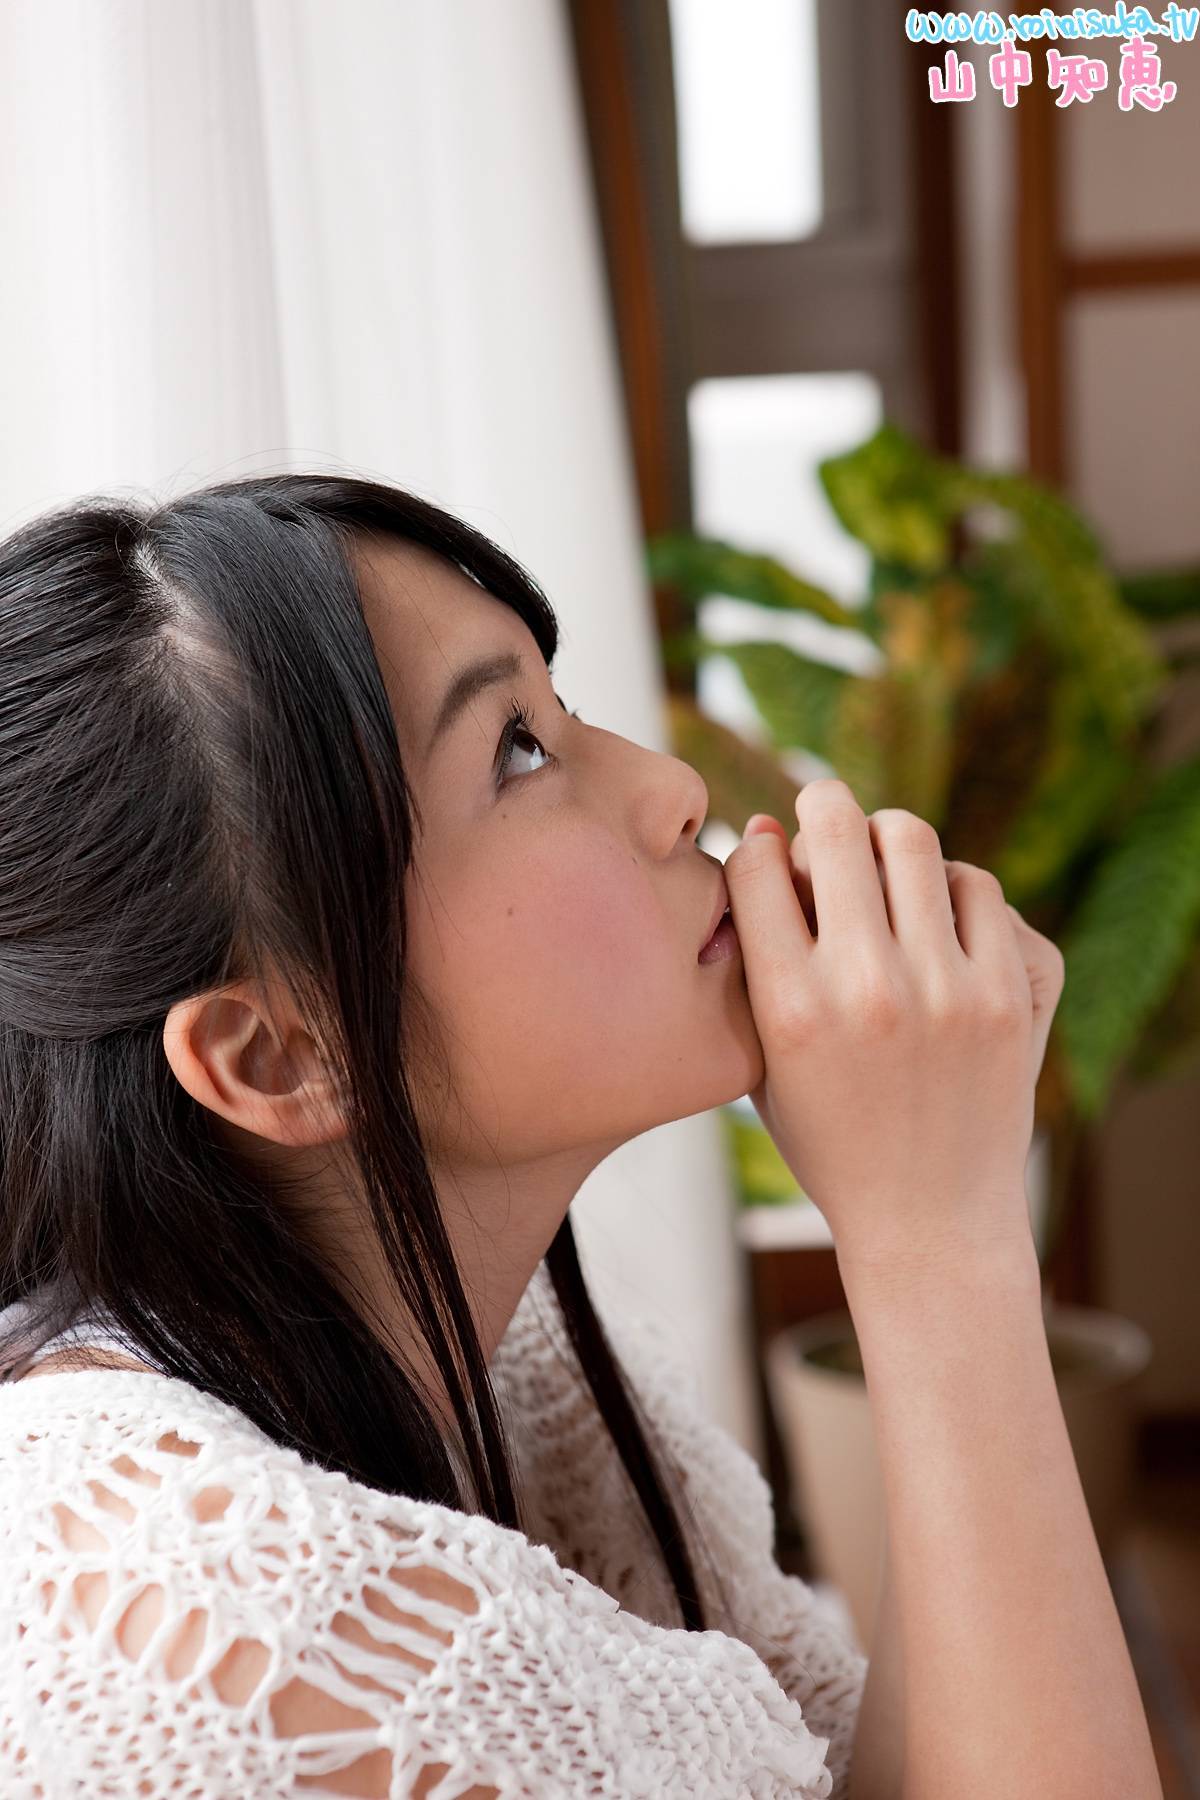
751, 1068
739, 1072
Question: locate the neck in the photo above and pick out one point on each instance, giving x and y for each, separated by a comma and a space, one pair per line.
500, 1222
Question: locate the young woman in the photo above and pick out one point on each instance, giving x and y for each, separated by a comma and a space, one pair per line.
335, 952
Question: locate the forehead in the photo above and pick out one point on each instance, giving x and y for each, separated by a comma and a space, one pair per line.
427, 619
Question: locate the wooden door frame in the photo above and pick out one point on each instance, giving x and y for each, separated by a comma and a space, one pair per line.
666, 297
1050, 276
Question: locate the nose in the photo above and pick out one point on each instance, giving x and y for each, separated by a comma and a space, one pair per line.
675, 802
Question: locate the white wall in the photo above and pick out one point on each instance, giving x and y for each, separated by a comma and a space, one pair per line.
246, 234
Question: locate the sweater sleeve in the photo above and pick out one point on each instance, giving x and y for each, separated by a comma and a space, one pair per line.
192, 1612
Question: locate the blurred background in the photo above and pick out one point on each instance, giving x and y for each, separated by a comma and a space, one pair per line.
849, 433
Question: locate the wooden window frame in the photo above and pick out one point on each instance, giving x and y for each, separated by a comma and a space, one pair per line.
875, 288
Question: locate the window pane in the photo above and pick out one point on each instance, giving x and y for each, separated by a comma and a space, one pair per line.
755, 445
1147, 340
756, 441
1118, 186
746, 102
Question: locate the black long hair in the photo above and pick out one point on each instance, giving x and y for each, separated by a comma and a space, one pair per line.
200, 783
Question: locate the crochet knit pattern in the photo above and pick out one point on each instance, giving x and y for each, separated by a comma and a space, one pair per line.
312, 1636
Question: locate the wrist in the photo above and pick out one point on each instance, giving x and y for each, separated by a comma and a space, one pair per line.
924, 1265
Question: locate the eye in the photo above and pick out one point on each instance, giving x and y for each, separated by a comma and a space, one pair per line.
518, 727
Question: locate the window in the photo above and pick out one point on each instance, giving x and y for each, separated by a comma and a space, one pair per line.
747, 119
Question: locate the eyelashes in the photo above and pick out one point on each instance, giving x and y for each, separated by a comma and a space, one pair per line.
520, 721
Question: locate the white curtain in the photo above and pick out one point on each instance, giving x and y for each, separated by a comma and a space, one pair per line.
241, 235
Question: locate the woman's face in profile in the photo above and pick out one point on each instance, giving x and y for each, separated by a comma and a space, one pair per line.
556, 904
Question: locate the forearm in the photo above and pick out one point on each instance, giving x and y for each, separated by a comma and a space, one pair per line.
877, 1760
1016, 1675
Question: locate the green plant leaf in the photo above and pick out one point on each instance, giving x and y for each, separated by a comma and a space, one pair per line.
884, 578
762, 1176
698, 567
999, 629
683, 649
795, 696
1073, 604
1163, 594
1049, 520
1001, 743
891, 736
1081, 777
901, 502
1131, 935
1170, 1043
893, 496
892, 745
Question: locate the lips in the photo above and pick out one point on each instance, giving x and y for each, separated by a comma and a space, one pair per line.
720, 909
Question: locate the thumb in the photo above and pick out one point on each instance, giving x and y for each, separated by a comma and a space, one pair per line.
767, 915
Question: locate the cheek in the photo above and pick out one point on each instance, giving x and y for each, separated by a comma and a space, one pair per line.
572, 1006
601, 915
533, 954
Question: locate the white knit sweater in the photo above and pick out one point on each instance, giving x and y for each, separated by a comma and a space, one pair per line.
564, 1671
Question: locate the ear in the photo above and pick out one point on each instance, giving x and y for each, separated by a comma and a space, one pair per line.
254, 1065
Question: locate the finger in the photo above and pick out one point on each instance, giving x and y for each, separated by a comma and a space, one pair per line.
1046, 969
913, 873
841, 861
801, 873
981, 916
769, 921
801, 882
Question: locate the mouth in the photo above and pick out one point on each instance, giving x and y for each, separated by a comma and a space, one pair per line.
722, 938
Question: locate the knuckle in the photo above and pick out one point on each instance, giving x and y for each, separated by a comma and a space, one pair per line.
832, 827
1055, 972
1003, 1009
875, 1003
792, 1018
982, 880
831, 814
751, 855
906, 831
946, 1002
823, 787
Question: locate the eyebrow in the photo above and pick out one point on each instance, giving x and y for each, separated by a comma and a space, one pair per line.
470, 681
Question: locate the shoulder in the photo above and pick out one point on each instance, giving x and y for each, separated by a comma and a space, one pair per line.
188, 1470
163, 1557
150, 1534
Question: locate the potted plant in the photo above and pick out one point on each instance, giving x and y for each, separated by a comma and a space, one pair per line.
1018, 706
